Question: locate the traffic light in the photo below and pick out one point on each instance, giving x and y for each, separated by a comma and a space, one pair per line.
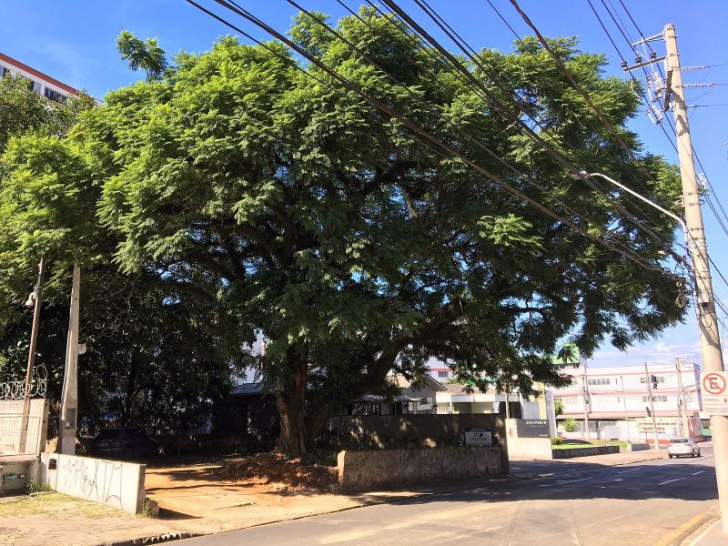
649, 413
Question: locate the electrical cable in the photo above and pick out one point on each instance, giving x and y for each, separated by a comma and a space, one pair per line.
519, 39
413, 126
501, 107
669, 121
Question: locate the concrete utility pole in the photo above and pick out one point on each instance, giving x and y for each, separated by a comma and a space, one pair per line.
35, 298
682, 415
69, 398
705, 304
585, 393
652, 407
626, 415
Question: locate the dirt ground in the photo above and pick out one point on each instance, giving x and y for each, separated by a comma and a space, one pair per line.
240, 492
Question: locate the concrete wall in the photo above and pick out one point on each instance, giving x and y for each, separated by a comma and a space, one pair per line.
414, 431
532, 448
115, 483
387, 469
11, 412
16, 471
584, 452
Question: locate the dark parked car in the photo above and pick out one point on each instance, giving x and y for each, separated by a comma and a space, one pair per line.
123, 443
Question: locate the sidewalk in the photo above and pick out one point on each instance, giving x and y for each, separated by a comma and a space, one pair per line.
191, 506
714, 536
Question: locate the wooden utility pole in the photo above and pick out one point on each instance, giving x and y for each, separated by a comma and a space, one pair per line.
36, 297
652, 407
69, 397
705, 304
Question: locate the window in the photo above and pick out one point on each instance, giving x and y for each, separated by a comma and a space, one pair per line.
372, 409
443, 374
3, 71
569, 400
658, 379
55, 95
33, 86
599, 381
655, 398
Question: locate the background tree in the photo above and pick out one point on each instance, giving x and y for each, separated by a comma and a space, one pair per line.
354, 247
153, 359
22, 110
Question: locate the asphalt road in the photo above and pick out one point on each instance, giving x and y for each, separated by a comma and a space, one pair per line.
585, 504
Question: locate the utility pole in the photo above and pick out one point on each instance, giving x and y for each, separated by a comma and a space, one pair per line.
69, 398
585, 393
682, 415
35, 298
652, 407
626, 415
705, 304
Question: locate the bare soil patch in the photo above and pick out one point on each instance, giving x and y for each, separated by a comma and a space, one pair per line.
278, 472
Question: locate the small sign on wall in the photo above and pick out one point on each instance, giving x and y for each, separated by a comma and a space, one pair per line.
532, 428
478, 437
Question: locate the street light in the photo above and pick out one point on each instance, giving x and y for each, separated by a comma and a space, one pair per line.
641, 197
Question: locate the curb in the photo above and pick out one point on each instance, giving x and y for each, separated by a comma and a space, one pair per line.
677, 537
157, 539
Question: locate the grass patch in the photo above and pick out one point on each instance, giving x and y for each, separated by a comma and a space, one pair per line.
619, 443
580, 444
57, 504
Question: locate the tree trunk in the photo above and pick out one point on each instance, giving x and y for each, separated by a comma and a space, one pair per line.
291, 403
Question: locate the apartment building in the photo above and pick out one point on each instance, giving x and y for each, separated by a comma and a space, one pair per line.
39, 82
616, 400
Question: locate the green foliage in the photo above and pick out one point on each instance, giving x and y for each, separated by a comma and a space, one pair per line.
558, 407
147, 55
556, 440
24, 111
570, 425
298, 210
38, 487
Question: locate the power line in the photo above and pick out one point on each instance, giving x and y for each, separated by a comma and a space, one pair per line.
605, 121
428, 51
413, 126
671, 140
519, 39
501, 107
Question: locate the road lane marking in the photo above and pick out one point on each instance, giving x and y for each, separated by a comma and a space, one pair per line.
573, 481
632, 470
670, 481
696, 473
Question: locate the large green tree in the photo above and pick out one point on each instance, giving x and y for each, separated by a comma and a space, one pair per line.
355, 247
153, 359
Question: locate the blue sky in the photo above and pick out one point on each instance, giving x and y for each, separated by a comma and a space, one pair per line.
75, 43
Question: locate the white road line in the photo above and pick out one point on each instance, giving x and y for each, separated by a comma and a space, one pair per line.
573, 481
696, 473
670, 481
631, 470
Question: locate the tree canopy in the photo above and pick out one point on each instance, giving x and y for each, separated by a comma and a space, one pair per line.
241, 183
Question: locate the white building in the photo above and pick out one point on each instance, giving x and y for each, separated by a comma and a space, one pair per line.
617, 403
41, 83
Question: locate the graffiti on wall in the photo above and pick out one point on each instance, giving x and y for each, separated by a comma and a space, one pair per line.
92, 479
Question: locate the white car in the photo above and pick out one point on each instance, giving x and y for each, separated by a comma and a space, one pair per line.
683, 447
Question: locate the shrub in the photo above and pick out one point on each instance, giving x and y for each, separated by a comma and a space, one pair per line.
38, 487
556, 440
570, 425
